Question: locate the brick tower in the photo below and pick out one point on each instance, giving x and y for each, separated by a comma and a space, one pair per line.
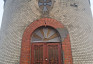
46, 32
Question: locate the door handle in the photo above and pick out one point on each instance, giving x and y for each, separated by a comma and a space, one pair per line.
46, 59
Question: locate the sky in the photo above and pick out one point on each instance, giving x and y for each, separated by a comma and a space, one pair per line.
1, 9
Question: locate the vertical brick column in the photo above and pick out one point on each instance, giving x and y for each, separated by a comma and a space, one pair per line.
66, 45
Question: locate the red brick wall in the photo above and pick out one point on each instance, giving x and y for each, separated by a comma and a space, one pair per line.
26, 45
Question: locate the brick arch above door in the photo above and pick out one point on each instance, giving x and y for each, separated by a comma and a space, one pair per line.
26, 45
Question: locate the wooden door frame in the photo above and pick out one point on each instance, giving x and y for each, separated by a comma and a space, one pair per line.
26, 40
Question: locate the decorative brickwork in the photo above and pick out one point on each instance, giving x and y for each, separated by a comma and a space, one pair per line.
75, 15
26, 44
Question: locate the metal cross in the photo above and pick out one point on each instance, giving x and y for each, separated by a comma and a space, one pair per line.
45, 3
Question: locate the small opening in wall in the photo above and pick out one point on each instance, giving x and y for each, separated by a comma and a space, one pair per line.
89, 2
74, 5
45, 4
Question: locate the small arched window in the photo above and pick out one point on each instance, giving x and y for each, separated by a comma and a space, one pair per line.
45, 34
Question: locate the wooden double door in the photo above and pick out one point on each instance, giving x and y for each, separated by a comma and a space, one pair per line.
46, 53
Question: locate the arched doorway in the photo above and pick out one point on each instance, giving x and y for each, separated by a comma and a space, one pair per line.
46, 46
53, 42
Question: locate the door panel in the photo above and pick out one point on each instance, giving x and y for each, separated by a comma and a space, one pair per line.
37, 53
46, 53
54, 53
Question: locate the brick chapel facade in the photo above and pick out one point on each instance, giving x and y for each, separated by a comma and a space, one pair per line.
46, 32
